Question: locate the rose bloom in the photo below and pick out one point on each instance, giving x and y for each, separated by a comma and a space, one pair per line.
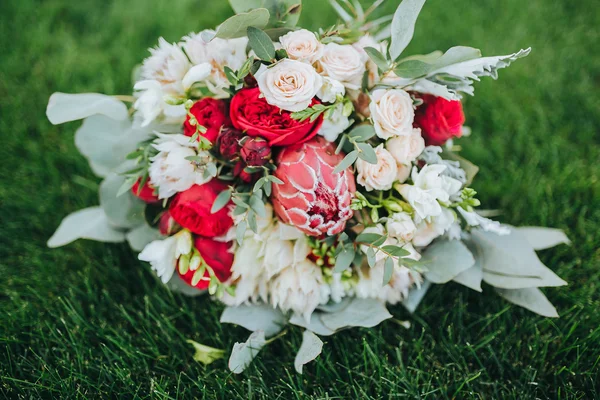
145, 193
290, 85
211, 114
401, 226
251, 113
343, 63
302, 45
217, 256
392, 112
191, 210
229, 143
255, 152
439, 119
405, 149
378, 176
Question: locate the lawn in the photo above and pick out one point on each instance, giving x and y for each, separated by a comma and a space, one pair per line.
90, 321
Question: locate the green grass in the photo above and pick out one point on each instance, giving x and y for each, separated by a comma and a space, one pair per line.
89, 320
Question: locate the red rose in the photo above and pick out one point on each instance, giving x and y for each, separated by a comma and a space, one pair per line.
439, 119
211, 114
217, 256
191, 210
256, 152
146, 193
251, 113
229, 143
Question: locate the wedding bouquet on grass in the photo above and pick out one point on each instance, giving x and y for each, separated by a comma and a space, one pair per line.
299, 177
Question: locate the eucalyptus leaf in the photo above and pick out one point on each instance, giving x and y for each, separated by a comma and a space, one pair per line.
543, 238
221, 201
309, 350
89, 223
261, 43
237, 25
370, 238
344, 259
64, 107
346, 162
367, 153
255, 317
403, 25
379, 59
388, 270
365, 313
243, 353
531, 299
395, 251
412, 69
362, 132
445, 259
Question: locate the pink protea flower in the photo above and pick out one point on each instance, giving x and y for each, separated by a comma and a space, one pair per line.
312, 197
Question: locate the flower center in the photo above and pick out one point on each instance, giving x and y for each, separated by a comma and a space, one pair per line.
325, 204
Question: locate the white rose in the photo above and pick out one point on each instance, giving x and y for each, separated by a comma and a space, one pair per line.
302, 45
378, 176
406, 149
392, 112
170, 171
343, 63
401, 226
168, 65
289, 84
330, 90
163, 254
335, 124
427, 231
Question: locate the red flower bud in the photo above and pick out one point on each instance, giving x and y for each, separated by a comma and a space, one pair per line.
167, 225
256, 152
238, 172
145, 193
229, 143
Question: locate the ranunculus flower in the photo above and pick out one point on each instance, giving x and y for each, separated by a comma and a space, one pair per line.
312, 197
145, 193
251, 113
343, 63
302, 45
256, 152
211, 114
289, 84
217, 256
191, 210
378, 176
439, 119
229, 143
392, 112
406, 148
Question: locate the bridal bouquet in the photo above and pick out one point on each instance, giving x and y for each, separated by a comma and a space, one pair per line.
300, 177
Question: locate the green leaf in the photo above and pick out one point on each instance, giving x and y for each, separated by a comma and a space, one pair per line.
346, 162
89, 223
237, 25
205, 354
344, 259
251, 218
257, 204
125, 211
403, 25
362, 133
445, 259
369, 238
412, 69
365, 313
543, 238
371, 257
531, 299
395, 251
367, 153
378, 58
261, 43
240, 231
255, 317
221, 201
388, 270
230, 75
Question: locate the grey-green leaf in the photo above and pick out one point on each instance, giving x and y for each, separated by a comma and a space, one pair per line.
139, 237
378, 58
315, 324
344, 259
367, 237
89, 223
261, 43
445, 259
255, 317
367, 153
243, 353
221, 201
388, 270
64, 107
365, 313
531, 299
346, 162
309, 350
543, 238
415, 296
412, 69
403, 25
125, 211
241, 6
237, 25
362, 132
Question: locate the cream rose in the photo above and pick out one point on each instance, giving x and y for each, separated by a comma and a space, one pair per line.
392, 112
401, 226
289, 84
406, 149
343, 63
302, 45
378, 176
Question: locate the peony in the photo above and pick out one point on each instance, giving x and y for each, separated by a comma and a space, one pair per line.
335, 124
343, 63
401, 226
439, 119
313, 198
330, 90
289, 84
302, 45
146, 193
229, 143
378, 176
163, 254
170, 171
219, 53
405, 149
251, 113
209, 113
150, 104
216, 256
392, 112
298, 288
192, 210
167, 65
